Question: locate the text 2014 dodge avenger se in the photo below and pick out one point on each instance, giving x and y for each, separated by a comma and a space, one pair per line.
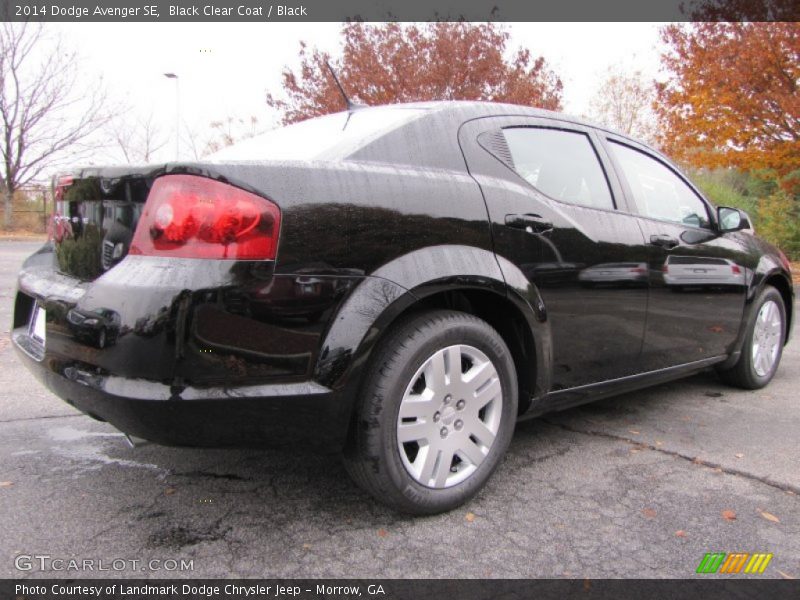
401, 283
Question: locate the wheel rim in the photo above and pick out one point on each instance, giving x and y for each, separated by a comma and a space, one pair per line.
767, 338
449, 416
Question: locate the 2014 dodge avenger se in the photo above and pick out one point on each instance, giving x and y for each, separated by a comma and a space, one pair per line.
401, 283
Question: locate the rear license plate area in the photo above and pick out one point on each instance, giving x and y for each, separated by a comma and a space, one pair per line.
37, 325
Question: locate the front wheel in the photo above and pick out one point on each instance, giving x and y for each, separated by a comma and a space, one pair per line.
436, 414
763, 344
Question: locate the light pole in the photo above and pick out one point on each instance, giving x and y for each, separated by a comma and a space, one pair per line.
177, 113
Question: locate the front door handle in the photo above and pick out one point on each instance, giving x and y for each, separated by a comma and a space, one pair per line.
529, 222
665, 241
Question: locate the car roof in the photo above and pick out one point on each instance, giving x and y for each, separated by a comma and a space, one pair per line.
469, 109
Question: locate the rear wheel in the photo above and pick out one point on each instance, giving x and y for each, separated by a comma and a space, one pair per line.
436, 414
763, 344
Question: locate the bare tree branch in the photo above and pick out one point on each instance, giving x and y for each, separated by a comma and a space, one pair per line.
137, 139
48, 117
624, 102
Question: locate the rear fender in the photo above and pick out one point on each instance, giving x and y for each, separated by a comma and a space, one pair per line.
376, 303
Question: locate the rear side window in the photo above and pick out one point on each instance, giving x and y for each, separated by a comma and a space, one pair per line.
561, 164
658, 192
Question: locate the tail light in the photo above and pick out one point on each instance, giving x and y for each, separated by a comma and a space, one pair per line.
195, 217
736, 270
638, 270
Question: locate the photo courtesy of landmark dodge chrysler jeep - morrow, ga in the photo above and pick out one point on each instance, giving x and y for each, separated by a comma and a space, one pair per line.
400, 284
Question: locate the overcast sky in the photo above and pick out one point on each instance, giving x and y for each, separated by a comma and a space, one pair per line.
226, 69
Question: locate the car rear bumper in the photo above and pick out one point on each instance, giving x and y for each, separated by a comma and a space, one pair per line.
199, 353
290, 414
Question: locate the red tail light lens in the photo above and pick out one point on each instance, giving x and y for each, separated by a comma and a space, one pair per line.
195, 217
736, 270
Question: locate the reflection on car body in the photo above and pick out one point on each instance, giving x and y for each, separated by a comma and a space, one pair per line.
680, 271
100, 327
614, 274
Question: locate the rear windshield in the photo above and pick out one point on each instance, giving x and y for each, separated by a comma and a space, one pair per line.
330, 137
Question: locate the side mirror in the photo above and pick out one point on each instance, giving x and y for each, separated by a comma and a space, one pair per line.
732, 219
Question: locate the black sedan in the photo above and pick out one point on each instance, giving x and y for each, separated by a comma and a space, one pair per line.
398, 283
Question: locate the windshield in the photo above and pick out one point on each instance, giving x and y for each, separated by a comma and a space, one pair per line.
330, 137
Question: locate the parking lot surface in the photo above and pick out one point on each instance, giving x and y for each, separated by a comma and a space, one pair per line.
642, 485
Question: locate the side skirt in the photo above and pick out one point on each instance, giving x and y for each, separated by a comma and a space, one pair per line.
569, 398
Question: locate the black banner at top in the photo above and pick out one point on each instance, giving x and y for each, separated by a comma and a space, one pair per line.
398, 10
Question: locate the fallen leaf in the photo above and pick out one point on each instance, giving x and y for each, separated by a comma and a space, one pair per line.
785, 575
650, 513
633, 431
770, 517
659, 443
680, 533
306, 546
169, 491
697, 460
6, 483
717, 470
739, 455
382, 533
470, 517
729, 515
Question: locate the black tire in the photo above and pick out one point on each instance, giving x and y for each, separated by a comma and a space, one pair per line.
372, 457
102, 338
743, 374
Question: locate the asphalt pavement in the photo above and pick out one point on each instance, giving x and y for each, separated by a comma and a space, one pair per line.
641, 485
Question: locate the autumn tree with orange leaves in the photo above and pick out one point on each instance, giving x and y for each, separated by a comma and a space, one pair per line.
393, 62
732, 98
732, 102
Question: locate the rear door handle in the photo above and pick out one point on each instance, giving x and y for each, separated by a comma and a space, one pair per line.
665, 241
529, 222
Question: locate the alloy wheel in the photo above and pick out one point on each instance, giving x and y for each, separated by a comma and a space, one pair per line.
449, 416
767, 338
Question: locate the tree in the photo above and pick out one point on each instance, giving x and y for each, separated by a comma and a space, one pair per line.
624, 101
229, 131
395, 62
732, 98
46, 116
138, 139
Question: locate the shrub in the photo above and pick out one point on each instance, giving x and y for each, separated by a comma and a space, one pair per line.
779, 223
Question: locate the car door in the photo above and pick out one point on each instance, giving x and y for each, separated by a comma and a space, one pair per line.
559, 215
697, 277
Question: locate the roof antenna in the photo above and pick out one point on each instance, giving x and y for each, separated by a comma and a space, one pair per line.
351, 106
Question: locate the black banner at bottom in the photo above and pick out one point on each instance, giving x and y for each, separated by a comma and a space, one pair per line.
395, 589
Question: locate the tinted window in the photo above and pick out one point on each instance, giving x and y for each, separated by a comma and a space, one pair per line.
322, 138
561, 164
657, 190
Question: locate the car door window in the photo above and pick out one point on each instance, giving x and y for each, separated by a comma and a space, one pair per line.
658, 192
561, 164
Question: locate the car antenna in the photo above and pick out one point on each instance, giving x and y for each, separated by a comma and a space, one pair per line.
351, 106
